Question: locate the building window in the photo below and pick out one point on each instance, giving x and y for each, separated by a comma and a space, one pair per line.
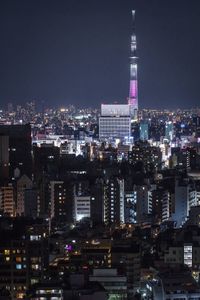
18, 266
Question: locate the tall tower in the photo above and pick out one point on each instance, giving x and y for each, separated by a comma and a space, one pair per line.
133, 92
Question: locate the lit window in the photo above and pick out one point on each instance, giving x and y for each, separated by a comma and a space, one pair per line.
18, 266
34, 267
18, 259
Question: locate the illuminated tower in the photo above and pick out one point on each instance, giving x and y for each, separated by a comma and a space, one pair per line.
133, 92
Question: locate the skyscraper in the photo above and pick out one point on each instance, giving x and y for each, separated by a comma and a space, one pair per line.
133, 91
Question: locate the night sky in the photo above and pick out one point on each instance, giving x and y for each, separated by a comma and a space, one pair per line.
77, 52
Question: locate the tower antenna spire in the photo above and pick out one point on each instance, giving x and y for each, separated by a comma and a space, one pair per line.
133, 91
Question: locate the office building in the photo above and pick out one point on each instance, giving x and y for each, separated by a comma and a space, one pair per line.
115, 122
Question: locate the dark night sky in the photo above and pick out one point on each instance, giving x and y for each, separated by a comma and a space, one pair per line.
77, 51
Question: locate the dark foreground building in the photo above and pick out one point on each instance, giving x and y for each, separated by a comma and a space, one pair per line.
15, 151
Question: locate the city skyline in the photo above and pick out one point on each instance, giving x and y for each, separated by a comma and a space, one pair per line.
73, 53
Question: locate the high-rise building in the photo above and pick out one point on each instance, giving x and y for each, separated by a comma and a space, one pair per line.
97, 204
7, 201
133, 91
184, 200
114, 201
18, 139
166, 206
144, 131
130, 202
144, 202
4, 157
23, 183
31, 202
169, 131
61, 204
115, 122
45, 158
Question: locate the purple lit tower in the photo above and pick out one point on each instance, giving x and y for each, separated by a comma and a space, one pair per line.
133, 92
